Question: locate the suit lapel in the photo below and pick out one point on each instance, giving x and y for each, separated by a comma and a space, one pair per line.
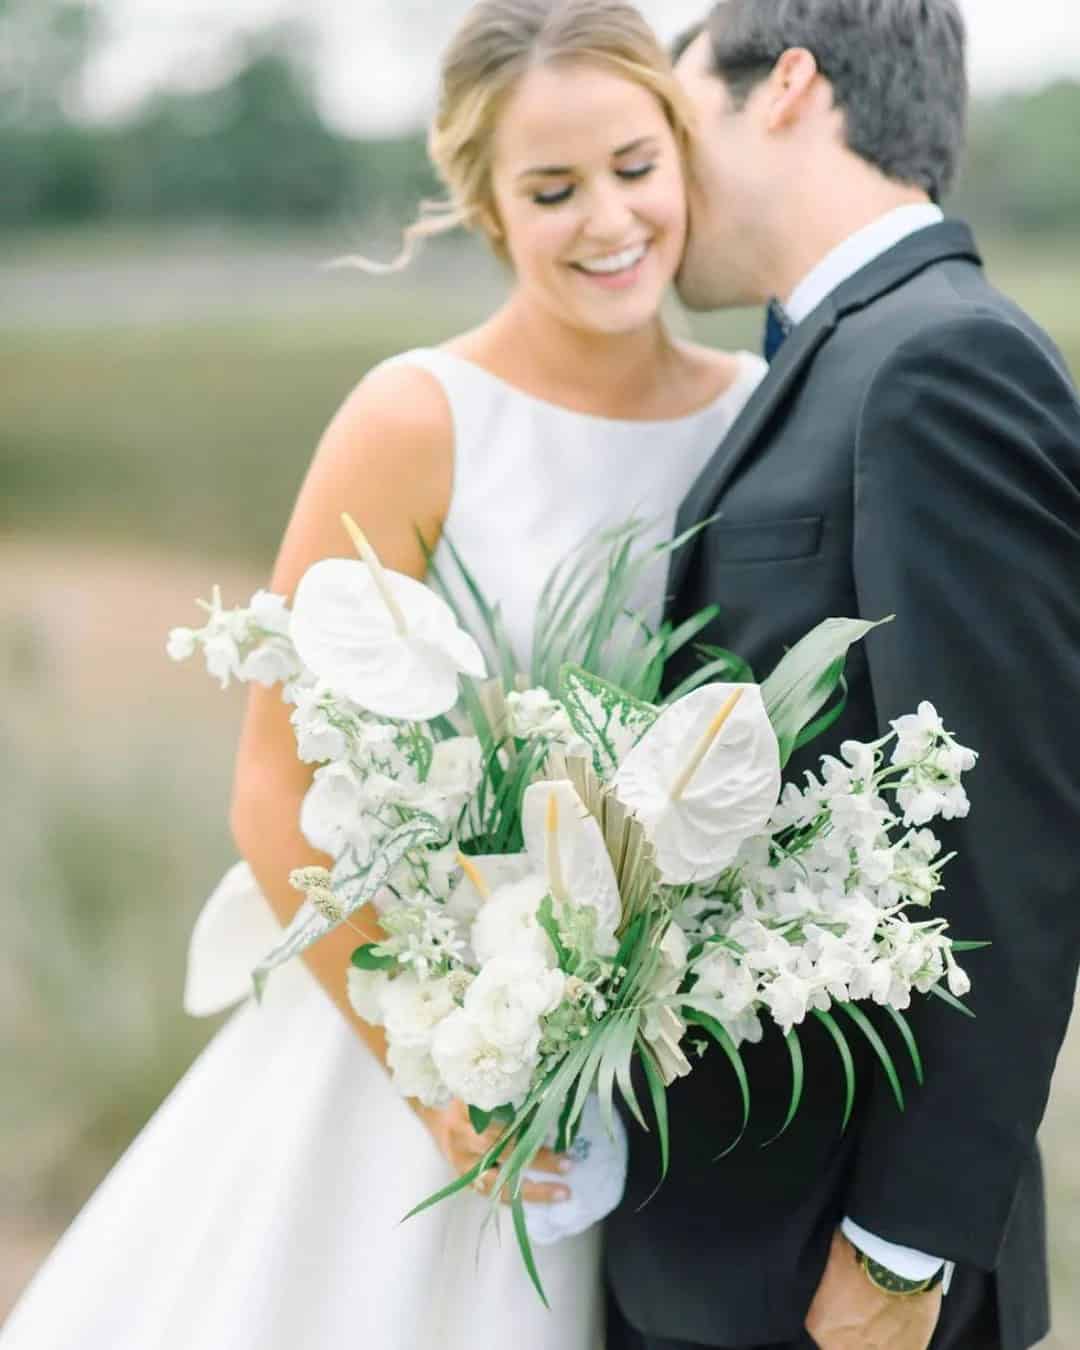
951, 239
789, 363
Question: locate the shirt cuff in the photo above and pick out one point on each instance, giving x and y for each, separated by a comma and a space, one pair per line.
906, 1262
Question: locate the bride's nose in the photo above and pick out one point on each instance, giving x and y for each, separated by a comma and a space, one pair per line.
609, 214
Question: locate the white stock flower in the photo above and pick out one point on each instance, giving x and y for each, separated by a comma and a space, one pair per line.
269, 663
222, 657
457, 766
916, 734
476, 1069
413, 1008
365, 990
333, 813
182, 644
788, 998
722, 977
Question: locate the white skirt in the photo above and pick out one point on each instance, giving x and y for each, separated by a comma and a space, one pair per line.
261, 1209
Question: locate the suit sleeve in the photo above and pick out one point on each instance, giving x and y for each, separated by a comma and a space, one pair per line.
967, 511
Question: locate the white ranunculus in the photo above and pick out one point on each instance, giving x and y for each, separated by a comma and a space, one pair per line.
413, 1008
698, 826
508, 998
344, 631
506, 924
366, 989
415, 1075
574, 859
474, 1068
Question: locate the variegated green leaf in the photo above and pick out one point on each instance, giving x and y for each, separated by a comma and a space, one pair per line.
609, 721
353, 888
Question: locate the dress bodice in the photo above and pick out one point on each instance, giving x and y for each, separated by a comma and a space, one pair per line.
533, 480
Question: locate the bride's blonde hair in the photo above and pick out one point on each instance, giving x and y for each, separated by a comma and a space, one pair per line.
497, 43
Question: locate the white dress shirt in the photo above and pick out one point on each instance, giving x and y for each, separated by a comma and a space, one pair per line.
836, 267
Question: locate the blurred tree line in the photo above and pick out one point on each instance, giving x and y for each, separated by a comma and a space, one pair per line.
255, 148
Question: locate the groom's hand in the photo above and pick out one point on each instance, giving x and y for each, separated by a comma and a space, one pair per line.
849, 1313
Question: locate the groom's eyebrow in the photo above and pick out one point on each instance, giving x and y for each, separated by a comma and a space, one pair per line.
561, 170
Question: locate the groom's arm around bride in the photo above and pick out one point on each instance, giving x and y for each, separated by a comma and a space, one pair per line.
914, 451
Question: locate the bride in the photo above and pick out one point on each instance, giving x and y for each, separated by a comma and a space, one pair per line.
262, 1205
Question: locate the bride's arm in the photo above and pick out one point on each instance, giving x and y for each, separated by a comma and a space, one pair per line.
387, 459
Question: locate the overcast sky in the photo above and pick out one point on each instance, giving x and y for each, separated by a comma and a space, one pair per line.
377, 58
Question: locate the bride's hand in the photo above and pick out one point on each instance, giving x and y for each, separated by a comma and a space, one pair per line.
463, 1148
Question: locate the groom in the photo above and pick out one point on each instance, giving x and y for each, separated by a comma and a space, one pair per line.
914, 451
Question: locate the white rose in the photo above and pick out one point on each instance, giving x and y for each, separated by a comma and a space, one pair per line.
413, 1008
366, 989
415, 1075
506, 924
474, 1068
508, 998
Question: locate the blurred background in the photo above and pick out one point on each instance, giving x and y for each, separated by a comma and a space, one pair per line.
173, 175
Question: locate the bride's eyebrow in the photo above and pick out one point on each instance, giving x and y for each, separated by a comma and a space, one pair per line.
562, 170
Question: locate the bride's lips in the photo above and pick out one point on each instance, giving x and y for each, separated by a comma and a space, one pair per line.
625, 277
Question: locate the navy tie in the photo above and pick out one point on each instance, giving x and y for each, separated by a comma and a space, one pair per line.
777, 328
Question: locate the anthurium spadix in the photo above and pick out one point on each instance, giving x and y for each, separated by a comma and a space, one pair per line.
705, 777
567, 847
380, 638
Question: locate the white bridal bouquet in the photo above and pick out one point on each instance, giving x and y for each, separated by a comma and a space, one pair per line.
570, 870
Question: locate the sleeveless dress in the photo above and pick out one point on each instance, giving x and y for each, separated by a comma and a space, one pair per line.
261, 1207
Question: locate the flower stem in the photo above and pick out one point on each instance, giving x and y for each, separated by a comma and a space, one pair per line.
707, 741
378, 573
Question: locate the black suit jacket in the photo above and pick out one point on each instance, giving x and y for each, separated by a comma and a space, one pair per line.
914, 450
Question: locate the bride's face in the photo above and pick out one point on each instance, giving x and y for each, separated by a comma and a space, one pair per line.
590, 196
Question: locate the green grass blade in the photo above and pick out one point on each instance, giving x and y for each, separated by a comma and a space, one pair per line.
879, 1048
908, 1037
659, 1102
624, 1070
970, 946
798, 1076
521, 1231
953, 1002
829, 1023
724, 1041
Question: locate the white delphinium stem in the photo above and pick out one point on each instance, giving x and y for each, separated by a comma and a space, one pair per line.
378, 572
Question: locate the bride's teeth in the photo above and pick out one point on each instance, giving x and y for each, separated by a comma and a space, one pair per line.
618, 262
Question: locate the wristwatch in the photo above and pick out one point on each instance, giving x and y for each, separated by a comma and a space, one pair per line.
881, 1277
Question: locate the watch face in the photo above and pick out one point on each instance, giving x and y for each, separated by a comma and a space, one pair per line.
890, 1283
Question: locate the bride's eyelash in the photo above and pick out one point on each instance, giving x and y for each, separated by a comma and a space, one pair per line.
564, 194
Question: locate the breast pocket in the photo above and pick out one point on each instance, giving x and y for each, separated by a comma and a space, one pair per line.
762, 541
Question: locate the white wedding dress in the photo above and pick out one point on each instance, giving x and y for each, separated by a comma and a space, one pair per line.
261, 1207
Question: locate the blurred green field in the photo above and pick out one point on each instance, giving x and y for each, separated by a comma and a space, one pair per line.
159, 403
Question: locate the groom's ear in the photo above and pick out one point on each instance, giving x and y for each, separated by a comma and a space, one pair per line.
791, 85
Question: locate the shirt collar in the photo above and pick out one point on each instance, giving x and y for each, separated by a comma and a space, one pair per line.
855, 252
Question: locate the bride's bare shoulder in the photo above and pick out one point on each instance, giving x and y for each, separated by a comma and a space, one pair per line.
713, 369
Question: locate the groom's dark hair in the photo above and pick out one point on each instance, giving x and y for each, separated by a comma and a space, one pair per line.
897, 69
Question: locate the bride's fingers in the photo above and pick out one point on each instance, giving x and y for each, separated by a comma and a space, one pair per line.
546, 1161
532, 1192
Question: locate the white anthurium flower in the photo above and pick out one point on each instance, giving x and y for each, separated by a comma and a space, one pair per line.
380, 638
703, 779
567, 847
